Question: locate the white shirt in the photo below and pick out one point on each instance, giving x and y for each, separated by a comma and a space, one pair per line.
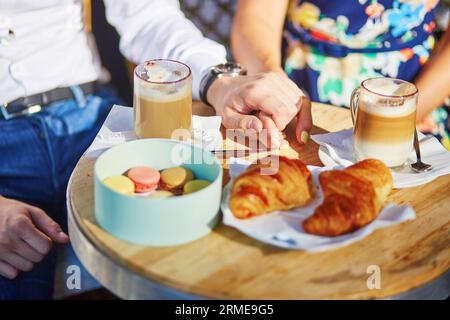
43, 44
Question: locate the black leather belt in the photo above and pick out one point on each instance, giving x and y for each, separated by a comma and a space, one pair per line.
38, 102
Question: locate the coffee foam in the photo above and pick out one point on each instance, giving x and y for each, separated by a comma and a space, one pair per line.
385, 86
377, 106
157, 73
393, 105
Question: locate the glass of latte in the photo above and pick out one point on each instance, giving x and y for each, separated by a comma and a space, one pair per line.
384, 117
162, 99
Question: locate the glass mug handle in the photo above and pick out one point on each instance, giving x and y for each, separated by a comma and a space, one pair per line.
354, 104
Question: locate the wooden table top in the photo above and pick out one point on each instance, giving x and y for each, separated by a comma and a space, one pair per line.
228, 264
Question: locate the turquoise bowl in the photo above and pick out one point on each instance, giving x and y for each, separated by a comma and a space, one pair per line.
158, 222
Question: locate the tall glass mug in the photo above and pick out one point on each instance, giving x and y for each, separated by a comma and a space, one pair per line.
162, 98
384, 117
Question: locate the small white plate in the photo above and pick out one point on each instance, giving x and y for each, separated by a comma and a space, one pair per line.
328, 161
432, 152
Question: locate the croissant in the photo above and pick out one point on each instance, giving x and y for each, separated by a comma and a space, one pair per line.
254, 193
353, 197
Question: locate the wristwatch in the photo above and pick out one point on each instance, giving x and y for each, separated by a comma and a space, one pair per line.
229, 69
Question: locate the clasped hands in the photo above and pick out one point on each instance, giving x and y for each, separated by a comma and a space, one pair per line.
267, 101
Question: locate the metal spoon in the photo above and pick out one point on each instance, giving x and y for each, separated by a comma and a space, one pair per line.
419, 166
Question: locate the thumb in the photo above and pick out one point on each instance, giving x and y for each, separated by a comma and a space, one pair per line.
47, 225
304, 121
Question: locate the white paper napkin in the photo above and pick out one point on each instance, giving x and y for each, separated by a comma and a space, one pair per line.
336, 148
284, 228
118, 128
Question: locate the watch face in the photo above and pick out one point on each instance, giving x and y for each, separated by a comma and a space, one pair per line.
229, 68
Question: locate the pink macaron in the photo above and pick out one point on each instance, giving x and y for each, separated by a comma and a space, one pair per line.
145, 179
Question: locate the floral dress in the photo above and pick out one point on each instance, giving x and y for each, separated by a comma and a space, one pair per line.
330, 47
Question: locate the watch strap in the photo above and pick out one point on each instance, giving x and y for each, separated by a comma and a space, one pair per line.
205, 84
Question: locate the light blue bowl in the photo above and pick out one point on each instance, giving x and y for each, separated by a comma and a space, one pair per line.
158, 222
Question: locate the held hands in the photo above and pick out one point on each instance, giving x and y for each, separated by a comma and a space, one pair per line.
263, 101
26, 235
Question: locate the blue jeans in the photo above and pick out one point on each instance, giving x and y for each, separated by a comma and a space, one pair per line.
37, 155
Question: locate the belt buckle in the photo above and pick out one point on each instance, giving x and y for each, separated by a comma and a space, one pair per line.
28, 110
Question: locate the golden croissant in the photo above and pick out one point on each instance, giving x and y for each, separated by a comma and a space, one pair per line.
254, 193
353, 197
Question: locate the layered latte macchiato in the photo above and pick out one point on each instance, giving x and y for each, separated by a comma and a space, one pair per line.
385, 121
162, 99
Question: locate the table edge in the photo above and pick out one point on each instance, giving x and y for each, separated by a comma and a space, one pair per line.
167, 291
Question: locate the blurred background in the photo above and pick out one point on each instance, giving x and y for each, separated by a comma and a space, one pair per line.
213, 17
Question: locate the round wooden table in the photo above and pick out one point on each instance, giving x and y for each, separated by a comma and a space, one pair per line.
413, 258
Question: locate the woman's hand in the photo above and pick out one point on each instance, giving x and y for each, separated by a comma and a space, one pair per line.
26, 235
263, 101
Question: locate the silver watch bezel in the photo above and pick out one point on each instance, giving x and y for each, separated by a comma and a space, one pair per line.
229, 69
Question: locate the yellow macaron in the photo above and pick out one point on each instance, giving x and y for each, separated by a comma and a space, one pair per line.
195, 185
176, 177
120, 184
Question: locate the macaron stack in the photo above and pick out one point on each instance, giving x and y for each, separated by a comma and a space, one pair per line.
146, 181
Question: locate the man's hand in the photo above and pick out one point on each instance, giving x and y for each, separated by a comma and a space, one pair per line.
264, 101
26, 235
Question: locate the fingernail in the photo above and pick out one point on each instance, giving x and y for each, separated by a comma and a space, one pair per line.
304, 137
63, 235
255, 124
